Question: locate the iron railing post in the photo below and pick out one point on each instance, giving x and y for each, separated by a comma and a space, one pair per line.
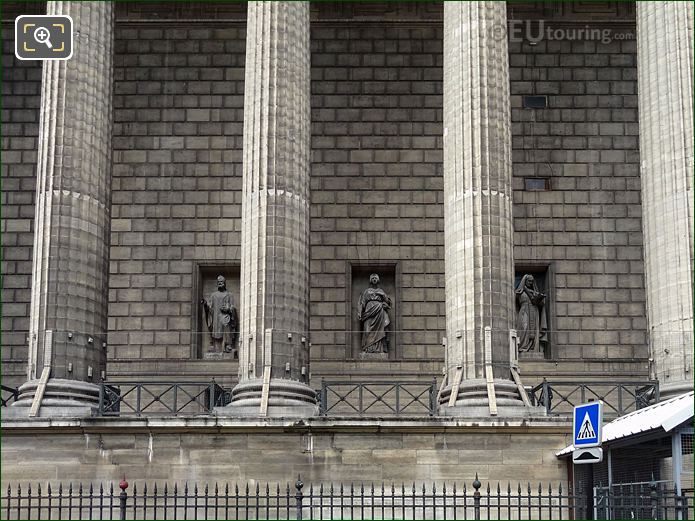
654, 495
212, 395
476, 497
433, 397
398, 399
323, 406
299, 497
123, 497
101, 398
359, 397
546, 396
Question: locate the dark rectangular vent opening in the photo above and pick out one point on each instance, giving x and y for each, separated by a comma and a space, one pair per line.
535, 184
535, 102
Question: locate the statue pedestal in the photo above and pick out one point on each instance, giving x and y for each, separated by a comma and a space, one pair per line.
531, 355
374, 356
216, 355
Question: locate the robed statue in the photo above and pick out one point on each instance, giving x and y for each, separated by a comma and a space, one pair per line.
373, 314
531, 321
221, 319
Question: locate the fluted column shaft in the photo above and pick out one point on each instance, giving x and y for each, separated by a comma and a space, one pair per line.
274, 310
72, 223
665, 76
478, 235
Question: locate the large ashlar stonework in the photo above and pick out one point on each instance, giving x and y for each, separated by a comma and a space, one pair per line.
274, 308
478, 236
69, 298
665, 68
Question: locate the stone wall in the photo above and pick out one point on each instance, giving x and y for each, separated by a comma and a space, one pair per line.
377, 179
397, 454
376, 183
587, 226
21, 98
178, 118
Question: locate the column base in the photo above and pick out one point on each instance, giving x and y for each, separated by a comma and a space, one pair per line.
61, 399
673, 389
472, 401
286, 399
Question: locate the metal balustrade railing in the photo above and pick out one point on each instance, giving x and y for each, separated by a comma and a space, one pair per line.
378, 398
9, 395
619, 398
160, 398
338, 501
382, 398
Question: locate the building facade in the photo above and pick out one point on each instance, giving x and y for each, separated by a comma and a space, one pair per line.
296, 149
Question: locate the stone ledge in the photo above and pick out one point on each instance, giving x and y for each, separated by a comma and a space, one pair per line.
209, 423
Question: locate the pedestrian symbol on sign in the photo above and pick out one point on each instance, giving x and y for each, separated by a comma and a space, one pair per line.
586, 431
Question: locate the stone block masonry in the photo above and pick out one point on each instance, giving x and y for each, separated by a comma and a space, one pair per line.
178, 110
588, 224
21, 100
404, 451
377, 178
377, 186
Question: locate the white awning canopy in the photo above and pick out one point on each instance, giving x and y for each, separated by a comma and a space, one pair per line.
664, 415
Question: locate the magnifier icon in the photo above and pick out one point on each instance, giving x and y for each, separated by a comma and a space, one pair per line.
43, 35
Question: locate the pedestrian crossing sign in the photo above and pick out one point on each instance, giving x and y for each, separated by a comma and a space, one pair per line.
588, 421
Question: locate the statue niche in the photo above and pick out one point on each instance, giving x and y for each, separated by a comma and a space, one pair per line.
221, 320
531, 320
373, 315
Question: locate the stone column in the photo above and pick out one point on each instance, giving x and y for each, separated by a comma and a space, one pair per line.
69, 299
478, 236
665, 75
274, 309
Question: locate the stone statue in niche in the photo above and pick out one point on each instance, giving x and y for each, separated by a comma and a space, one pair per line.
221, 319
373, 314
531, 321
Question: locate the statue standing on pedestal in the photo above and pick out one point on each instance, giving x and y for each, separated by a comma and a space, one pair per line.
221, 319
373, 315
531, 321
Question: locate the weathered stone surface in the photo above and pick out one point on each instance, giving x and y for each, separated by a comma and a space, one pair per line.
337, 452
588, 226
274, 307
665, 53
68, 316
478, 239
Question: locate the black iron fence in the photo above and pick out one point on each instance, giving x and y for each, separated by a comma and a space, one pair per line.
151, 398
331, 502
654, 500
378, 398
560, 397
